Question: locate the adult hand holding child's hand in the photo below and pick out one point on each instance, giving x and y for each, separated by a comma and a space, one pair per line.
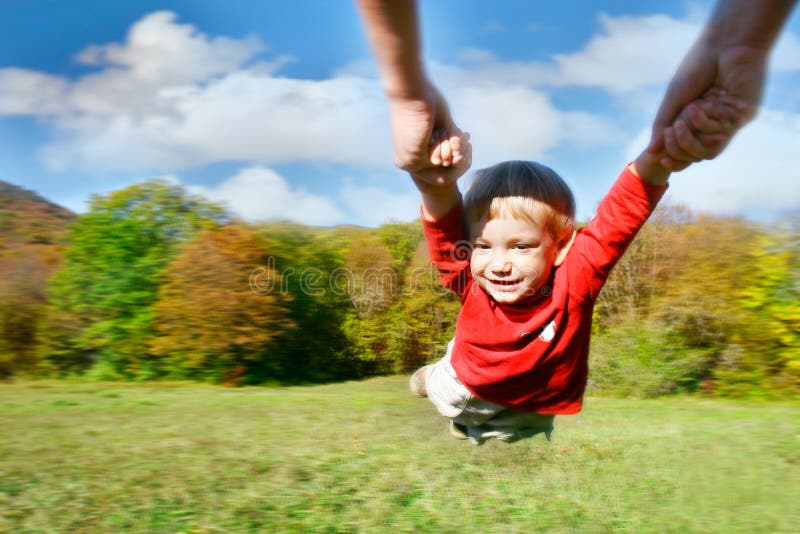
449, 158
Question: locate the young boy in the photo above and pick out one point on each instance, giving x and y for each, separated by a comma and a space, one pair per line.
528, 280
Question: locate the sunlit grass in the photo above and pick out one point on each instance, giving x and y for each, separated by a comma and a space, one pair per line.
367, 457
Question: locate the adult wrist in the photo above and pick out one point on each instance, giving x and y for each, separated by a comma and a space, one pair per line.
410, 87
747, 24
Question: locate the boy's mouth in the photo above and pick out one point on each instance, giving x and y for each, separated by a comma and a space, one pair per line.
504, 284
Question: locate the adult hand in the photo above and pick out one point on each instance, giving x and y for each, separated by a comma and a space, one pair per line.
738, 70
413, 121
445, 168
731, 55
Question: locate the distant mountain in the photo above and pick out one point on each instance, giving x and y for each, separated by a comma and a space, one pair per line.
25, 217
33, 231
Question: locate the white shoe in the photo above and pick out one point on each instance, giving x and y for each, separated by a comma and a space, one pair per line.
458, 431
417, 383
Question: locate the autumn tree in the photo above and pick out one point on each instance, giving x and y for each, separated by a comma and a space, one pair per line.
103, 297
369, 280
210, 323
765, 355
32, 233
425, 316
656, 255
22, 302
669, 314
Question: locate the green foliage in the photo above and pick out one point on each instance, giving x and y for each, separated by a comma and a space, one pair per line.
768, 357
155, 283
402, 240
425, 316
102, 299
642, 359
308, 261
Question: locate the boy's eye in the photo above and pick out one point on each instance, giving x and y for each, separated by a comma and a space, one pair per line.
524, 246
481, 246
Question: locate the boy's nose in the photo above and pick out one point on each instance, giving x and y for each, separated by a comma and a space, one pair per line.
500, 263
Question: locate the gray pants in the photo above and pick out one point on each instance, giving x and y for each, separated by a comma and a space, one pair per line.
482, 419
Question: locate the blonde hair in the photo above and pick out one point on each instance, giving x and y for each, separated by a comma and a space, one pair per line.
523, 190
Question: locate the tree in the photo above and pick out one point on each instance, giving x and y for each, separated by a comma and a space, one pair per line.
425, 317
655, 257
669, 315
211, 324
369, 280
768, 359
311, 264
697, 308
22, 301
32, 233
102, 298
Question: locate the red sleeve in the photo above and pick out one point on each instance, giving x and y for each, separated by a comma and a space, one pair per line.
449, 249
603, 241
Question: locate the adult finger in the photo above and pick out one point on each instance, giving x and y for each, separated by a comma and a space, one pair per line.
689, 144
442, 118
672, 148
694, 76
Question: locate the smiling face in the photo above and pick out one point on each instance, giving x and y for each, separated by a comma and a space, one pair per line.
512, 258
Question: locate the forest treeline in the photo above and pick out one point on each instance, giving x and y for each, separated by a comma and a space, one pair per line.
154, 283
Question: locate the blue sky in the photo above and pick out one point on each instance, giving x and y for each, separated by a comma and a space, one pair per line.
275, 109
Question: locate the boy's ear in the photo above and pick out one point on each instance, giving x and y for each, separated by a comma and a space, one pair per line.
564, 244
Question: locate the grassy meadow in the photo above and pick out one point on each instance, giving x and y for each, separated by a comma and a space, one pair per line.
368, 457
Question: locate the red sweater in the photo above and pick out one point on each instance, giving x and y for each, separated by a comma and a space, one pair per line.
533, 356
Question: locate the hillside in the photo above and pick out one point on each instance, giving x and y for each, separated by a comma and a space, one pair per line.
32, 231
27, 218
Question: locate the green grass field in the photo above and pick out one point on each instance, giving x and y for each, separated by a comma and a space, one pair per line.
368, 457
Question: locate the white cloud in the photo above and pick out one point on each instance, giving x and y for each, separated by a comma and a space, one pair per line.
374, 206
757, 172
27, 92
628, 54
258, 193
631, 52
261, 194
159, 49
512, 121
242, 116
170, 98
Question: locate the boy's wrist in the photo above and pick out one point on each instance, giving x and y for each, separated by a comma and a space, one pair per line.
648, 167
438, 201
433, 187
